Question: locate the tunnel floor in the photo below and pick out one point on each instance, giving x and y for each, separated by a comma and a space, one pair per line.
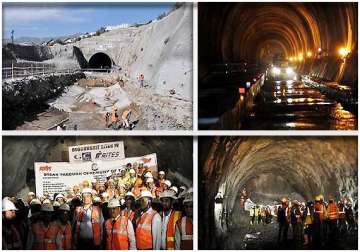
286, 105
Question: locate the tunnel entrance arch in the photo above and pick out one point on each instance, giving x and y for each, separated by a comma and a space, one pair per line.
100, 60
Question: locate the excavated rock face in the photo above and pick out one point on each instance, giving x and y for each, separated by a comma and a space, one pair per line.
174, 156
230, 32
274, 167
20, 97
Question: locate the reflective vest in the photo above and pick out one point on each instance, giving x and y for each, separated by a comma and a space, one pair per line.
130, 214
332, 211
44, 238
143, 231
95, 220
11, 238
341, 212
170, 229
116, 234
186, 228
65, 236
319, 211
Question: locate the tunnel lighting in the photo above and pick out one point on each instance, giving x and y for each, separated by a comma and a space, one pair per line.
291, 59
289, 71
276, 70
309, 54
344, 52
300, 57
319, 49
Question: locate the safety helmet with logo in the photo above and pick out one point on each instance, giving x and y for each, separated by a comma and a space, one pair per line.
149, 180
47, 207
114, 203
167, 182
167, 194
86, 190
148, 175
161, 173
175, 189
59, 196
129, 194
145, 193
35, 201
64, 207
188, 198
8, 205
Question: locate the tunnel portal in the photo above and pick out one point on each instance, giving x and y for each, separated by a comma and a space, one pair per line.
100, 60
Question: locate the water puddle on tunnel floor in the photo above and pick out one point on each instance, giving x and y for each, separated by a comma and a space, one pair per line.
288, 105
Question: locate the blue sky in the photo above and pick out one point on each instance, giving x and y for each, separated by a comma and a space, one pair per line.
49, 20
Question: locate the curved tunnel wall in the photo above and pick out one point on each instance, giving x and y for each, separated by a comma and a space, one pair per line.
270, 168
100, 60
231, 32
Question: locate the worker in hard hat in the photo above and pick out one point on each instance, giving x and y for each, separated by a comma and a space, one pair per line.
64, 226
161, 178
184, 227
111, 188
174, 189
167, 185
11, 238
60, 198
114, 118
35, 210
148, 227
132, 177
125, 116
319, 210
169, 219
119, 229
283, 218
44, 234
150, 186
30, 197
129, 210
88, 226
123, 179
333, 216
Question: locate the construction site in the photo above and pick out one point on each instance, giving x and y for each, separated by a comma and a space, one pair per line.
136, 76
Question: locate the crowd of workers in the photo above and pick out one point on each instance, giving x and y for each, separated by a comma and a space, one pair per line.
314, 224
130, 210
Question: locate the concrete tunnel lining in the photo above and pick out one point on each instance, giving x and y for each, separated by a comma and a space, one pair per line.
100, 60
310, 166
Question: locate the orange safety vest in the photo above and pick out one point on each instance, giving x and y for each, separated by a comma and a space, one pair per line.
66, 236
11, 238
186, 229
95, 220
141, 77
114, 116
333, 211
130, 216
143, 231
170, 229
116, 233
319, 210
44, 238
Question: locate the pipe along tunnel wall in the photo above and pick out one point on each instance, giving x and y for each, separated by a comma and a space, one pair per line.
270, 168
231, 32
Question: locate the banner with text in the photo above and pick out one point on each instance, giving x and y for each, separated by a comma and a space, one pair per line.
57, 177
94, 152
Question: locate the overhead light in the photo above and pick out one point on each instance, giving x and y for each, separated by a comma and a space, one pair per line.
344, 52
276, 70
309, 54
289, 71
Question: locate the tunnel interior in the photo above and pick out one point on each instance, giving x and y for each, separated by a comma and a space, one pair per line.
100, 60
271, 168
308, 35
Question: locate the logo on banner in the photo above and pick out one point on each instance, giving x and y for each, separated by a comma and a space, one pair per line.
45, 168
86, 156
94, 167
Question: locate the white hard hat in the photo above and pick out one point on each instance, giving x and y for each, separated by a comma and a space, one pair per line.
86, 190
188, 198
113, 203
64, 207
8, 205
167, 182
97, 199
141, 162
47, 208
149, 180
129, 194
145, 193
105, 195
31, 194
132, 171
56, 204
93, 180
148, 175
167, 194
161, 173
174, 188
35, 201
122, 201
59, 196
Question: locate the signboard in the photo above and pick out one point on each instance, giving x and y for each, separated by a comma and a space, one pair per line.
95, 152
57, 177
